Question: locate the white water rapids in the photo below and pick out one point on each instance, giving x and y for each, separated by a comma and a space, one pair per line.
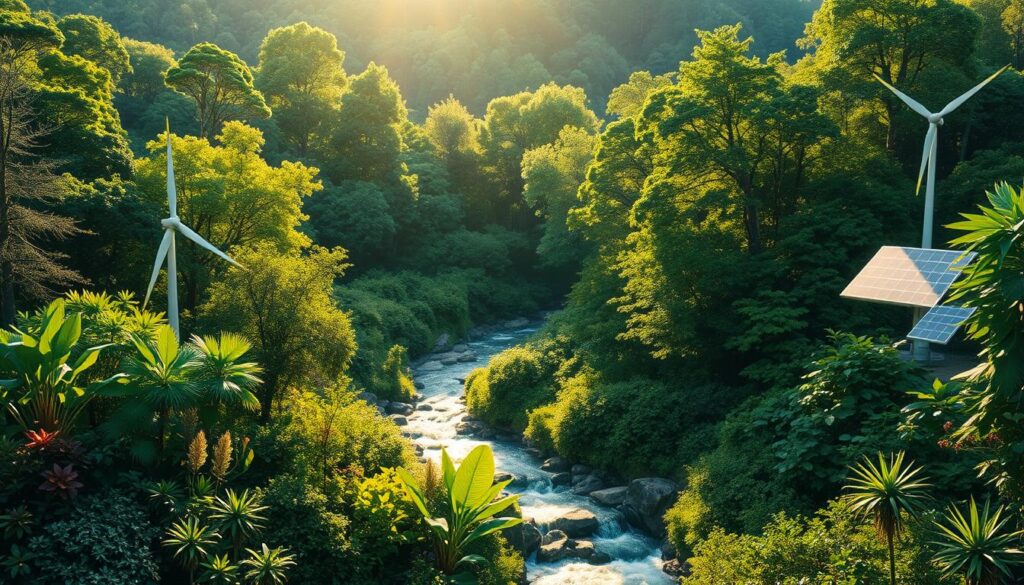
636, 558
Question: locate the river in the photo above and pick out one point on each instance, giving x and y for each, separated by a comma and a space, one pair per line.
636, 558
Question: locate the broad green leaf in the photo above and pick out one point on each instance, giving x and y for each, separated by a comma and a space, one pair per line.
474, 477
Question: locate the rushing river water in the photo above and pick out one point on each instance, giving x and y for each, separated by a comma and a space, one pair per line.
636, 558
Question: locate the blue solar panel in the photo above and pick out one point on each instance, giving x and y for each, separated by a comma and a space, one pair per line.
915, 277
940, 323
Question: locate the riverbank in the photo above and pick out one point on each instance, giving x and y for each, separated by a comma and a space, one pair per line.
577, 538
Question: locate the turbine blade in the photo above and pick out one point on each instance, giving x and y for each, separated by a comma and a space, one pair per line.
960, 100
161, 255
914, 105
172, 191
926, 156
188, 233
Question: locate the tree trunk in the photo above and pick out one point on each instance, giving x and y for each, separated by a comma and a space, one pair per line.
8, 311
890, 131
752, 222
892, 560
267, 397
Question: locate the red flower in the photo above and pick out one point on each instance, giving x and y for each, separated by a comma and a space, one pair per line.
62, 481
947, 426
40, 439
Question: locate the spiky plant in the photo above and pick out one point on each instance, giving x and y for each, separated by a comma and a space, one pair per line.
267, 566
237, 516
886, 492
191, 542
980, 546
219, 570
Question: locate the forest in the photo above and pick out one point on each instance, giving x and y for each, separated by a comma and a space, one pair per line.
475, 292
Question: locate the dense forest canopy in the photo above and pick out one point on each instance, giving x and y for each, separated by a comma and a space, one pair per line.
475, 50
657, 201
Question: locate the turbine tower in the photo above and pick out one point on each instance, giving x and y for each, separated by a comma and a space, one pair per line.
166, 250
931, 146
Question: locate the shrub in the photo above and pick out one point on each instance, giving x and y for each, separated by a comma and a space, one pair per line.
515, 381
384, 522
833, 546
634, 427
106, 540
313, 526
334, 431
395, 378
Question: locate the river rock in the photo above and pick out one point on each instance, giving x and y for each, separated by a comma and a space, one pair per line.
524, 537
580, 469
587, 484
460, 348
612, 496
424, 407
676, 568
555, 464
563, 478
419, 385
399, 408
431, 366
486, 433
441, 343
369, 397
466, 357
520, 481
576, 523
466, 427
556, 546
647, 500
500, 476
516, 323
399, 420
600, 558
449, 361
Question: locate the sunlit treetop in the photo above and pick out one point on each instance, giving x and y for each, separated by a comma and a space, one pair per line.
93, 39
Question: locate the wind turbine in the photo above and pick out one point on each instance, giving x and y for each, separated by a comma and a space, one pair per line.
166, 250
931, 145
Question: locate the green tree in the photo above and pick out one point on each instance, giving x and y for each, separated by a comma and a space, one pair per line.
627, 100
220, 83
887, 492
285, 304
517, 123
300, 73
895, 39
93, 39
228, 194
552, 175
149, 64
1013, 24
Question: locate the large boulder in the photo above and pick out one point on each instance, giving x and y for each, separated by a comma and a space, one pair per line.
563, 478
431, 366
524, 537
460, 348
556, 546
399, 408
586, 484
576, 523
555, 465
612, 496
399, 420
647, 500
441, 343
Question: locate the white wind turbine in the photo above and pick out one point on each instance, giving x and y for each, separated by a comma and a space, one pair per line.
931, 146
166, 249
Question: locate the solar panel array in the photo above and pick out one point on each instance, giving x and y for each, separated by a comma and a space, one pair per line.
913, 277
940, 323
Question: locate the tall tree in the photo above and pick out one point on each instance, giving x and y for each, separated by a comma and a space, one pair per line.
221, 85
93, 39
27, 185
1013, 24
517, 123
731, 125
300, 73
285, 304
228, 194
894, 39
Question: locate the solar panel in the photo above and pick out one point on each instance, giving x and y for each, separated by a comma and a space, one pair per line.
940, 323
913, 277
